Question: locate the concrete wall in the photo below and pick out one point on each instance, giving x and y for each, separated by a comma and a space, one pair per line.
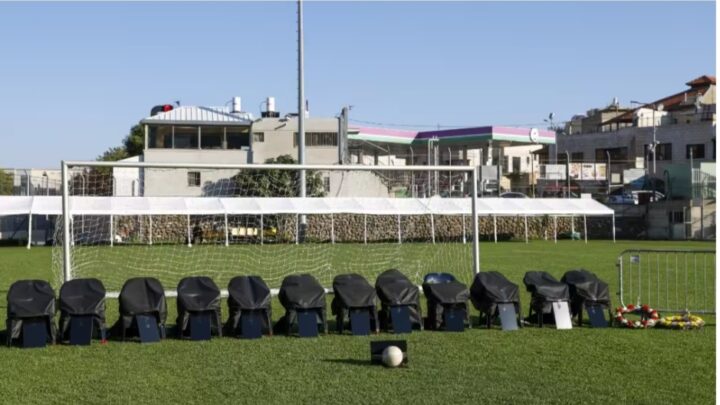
174, 182
278, 139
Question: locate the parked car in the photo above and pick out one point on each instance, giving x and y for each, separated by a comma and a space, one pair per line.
634, 197
513, 194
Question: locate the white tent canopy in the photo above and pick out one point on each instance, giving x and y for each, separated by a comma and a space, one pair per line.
51, 205
117, 206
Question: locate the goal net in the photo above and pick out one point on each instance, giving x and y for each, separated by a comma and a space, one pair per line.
138, 219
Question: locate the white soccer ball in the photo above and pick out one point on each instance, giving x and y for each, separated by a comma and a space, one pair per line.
392, 356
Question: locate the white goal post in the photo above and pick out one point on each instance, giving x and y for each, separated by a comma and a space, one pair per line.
98, 206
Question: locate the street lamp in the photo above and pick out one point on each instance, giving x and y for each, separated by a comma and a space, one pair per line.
655, 107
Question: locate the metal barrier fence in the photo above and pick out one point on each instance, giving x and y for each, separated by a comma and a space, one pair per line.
668, 280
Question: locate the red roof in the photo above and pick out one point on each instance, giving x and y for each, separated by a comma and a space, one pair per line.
697, 87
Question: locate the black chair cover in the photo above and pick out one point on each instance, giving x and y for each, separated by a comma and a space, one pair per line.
141, 296
394, 289
30, 299
490, 288
443, 291
301, 292
82, 297
586, 287
545, 290
197, 294
248, 293
352, 291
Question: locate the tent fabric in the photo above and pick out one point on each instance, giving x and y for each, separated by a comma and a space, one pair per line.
141, 296
490, 288
301, 292
30, 299
352, 291
195, 295
93, 205
585, 287
248, 293
545, 290
443, 295
395, 289
82, 297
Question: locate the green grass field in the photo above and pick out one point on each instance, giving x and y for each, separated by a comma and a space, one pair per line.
487, 366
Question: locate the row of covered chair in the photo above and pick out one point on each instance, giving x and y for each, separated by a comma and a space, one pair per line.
143, 307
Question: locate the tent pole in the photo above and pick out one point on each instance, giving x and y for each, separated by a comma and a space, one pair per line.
526, 230
399, 231
332, 228
555, 228
585, 225
613, 227
189, 232
572, 226
112, 230
365, 228
432, 227
463, 224
262, 229
297, 229
29, 232
151, 229
227, 232
495, 227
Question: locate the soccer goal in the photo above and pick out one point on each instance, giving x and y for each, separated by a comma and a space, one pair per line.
169, 221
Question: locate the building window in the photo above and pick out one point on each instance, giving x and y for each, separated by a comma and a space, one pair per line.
160, 137
211, 137
516, 164
186, 138
698, 151
663, 151
675, 217
326, 184
616, 154
238, 138
317, 139
258, 137
193, 179
577, 157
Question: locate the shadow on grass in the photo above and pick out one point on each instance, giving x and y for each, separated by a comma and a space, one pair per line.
351, 362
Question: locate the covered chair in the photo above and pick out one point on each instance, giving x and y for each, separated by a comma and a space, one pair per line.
489, 290
586, 289
301, 295
82, 297
198, 297
397, 291
545, 290
248, 296
443, 294
30, 302
353, 294
141, 296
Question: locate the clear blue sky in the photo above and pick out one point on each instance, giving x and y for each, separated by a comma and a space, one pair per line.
75, 77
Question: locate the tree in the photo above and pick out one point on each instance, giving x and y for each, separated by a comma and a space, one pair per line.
132, 145
6, 183
134, 142
277, 183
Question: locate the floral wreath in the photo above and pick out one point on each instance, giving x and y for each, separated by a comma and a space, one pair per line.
684, 321
649, 317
